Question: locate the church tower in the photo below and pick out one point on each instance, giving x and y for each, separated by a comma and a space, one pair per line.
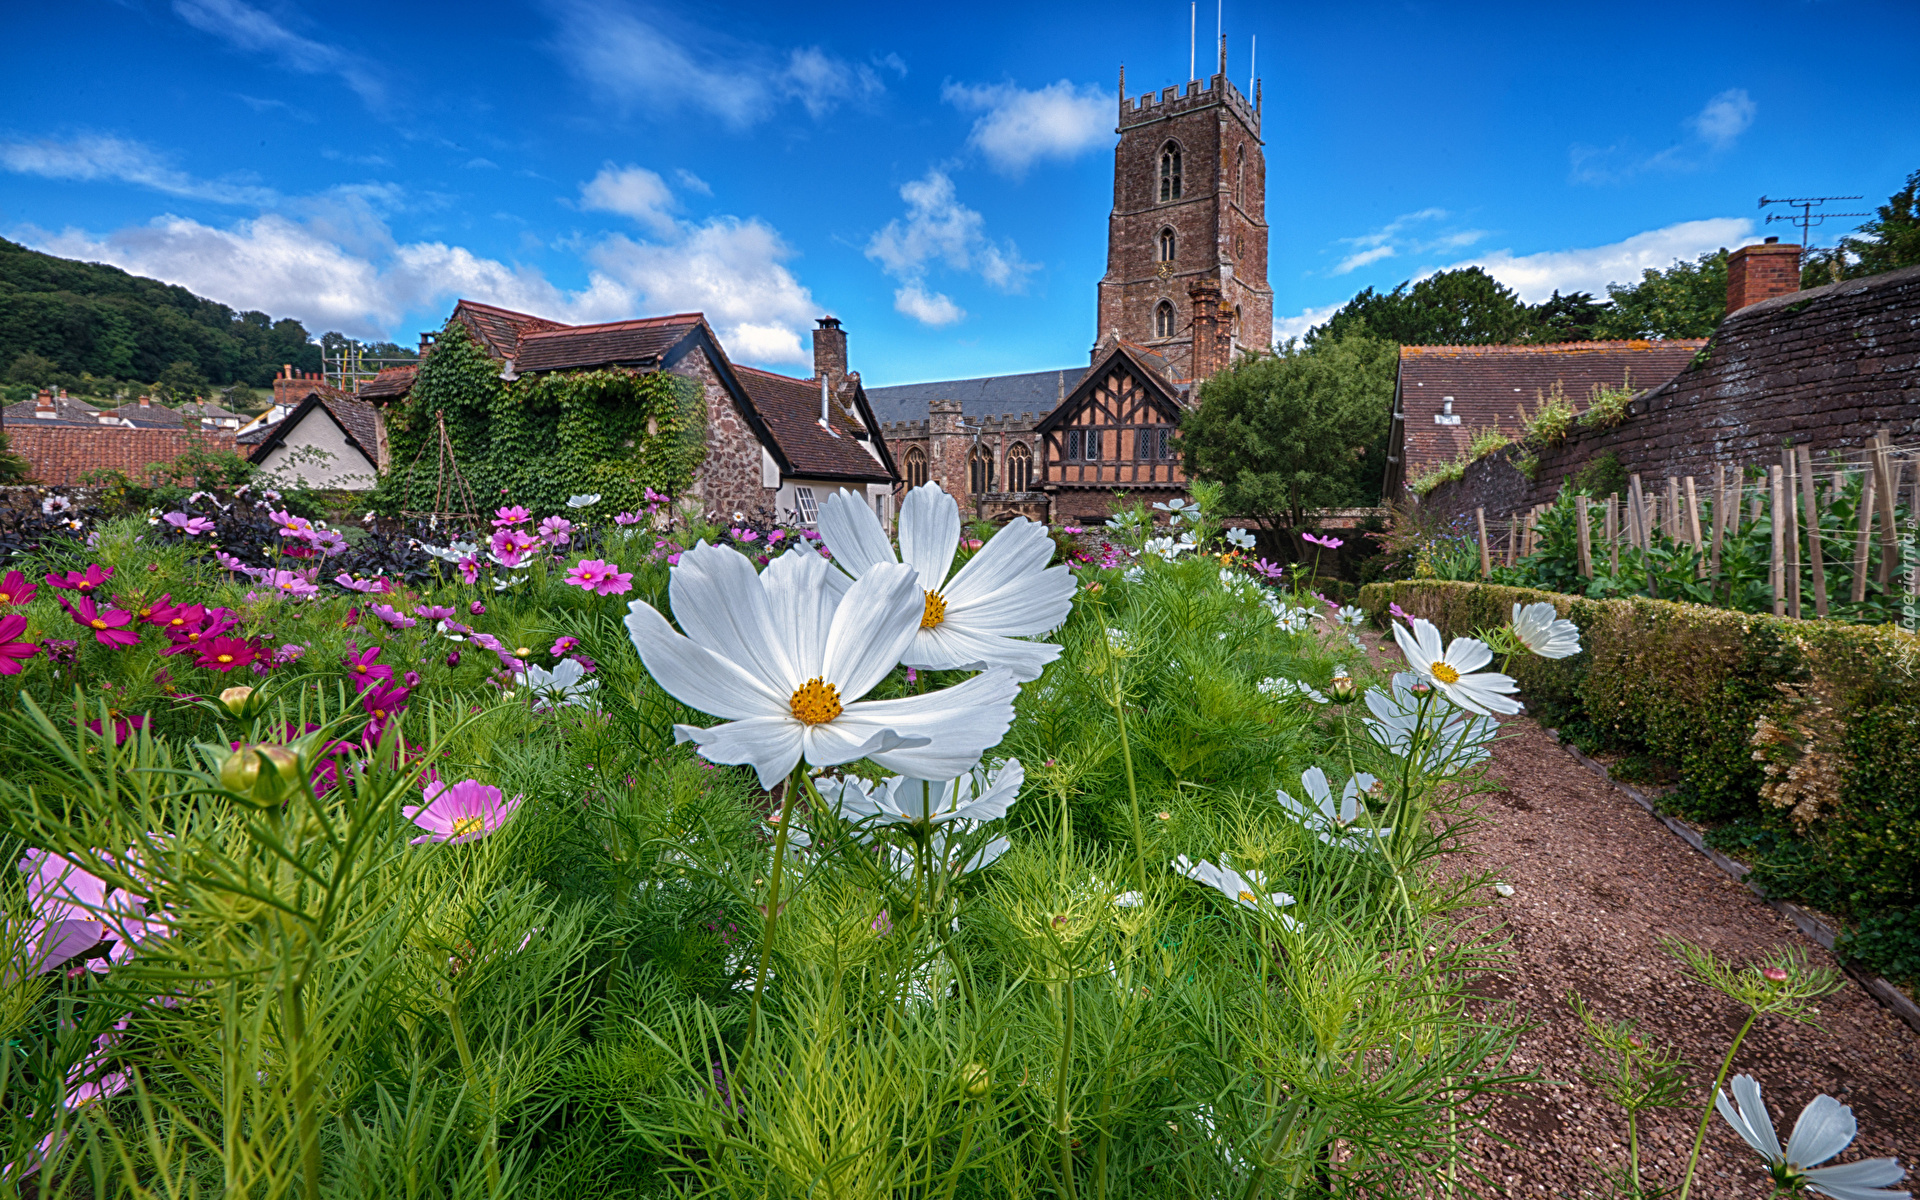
1187, 239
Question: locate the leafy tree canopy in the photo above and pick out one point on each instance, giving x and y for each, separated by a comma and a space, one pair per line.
1889, 241
1466, 307
1301, 430
1687, 300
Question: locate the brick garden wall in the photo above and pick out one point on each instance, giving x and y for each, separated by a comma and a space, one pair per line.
1826, 368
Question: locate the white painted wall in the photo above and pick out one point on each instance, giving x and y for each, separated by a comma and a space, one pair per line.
346, 469
877, 496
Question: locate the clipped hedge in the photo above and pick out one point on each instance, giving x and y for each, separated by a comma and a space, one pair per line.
1800, 738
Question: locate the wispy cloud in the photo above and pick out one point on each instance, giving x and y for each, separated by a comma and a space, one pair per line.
632, 57
101, 157
1408, 233
1285, 328
939, 230
255, 31
631, 192
1018, 127
1712, 131
1591, 268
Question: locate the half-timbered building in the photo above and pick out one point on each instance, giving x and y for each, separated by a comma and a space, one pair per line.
1116, 432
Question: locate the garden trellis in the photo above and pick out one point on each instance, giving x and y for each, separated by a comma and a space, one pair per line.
1818, 535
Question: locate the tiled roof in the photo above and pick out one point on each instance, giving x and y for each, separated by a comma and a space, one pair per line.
68, 412
258, 434
61, 454
791, 410
1037, 392
390, 383
500, 328
1487, 385
360, 419
576, 347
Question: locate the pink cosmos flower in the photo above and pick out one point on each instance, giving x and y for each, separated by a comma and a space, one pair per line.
774, 537
432, 612
74, 581
14, 589
330, 541
510, 546
191, 526
291, 584
600, 578
108, 625
469, 569
1331, 543
461, 812
1395, 609
295, 529
744, 535
377, 586
123, 727
13, 651
562, 645
228, 561
392, 616
365, 671
556, 531
1267, 570
510, 516
291, 652
627, 518
382, 703
477, 609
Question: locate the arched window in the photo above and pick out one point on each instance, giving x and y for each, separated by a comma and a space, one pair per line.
1240, 179
1019, 468
1166, 245
1235, 331
1163, 320
979, 469
1170, 172
916, 466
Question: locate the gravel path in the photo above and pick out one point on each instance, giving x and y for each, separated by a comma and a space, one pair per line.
1596, 882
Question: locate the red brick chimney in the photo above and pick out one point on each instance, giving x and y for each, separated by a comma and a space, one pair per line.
1209, 348
1756, 273
43, 406
830, 352
144, 403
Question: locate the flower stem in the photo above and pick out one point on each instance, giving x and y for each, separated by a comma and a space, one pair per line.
1062, 1121
794, 783
1133, 790
1706, 1111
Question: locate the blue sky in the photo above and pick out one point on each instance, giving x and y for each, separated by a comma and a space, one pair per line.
937, 176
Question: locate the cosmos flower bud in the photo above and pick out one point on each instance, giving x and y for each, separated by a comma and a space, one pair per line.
235, 698
266, 775
975, 1080
1774, 974
1342, 691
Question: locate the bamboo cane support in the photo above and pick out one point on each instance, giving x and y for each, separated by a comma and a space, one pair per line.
1816, 556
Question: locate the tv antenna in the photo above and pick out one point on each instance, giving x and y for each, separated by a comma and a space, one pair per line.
1806, 218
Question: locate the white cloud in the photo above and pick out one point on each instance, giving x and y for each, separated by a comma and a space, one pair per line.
939, 230
692, 182
249, 29
1393, 239
731, 269
94, 157
1590, 269
635, 61
928, 308
1298, 324
1725, 118
632, 192
1019, 127
1361, 258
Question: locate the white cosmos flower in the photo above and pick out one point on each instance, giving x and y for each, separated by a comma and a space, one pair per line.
785, 660
1451, 740
1350, 615
1825, 1128
1248, 890
1280, 688
1240, 538
565, 684
978, 795
1333, 823
979, 617
584, 500
1542, 629
1455, 669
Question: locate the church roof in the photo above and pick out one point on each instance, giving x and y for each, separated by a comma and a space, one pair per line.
1036, 392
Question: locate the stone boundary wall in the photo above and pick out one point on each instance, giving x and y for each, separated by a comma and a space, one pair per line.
1827, 368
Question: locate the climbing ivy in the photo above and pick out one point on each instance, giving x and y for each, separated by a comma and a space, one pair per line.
537, 440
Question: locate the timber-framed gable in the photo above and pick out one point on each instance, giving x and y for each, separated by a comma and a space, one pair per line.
1115, 432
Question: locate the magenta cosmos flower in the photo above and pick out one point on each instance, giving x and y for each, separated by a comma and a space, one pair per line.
14, 588
600, 578
13, 651
556, 531
511, 515
365, 671
225, 654
627, 518
108, 624
74, 581
1331, 543
460, 812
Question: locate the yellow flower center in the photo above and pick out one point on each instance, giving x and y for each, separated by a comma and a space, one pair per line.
936, 610
97, 623
223, 658
1249, 897
6, 597
815, 702
462, 826
1445, 673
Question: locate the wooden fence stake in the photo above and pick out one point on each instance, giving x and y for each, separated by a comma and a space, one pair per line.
1486, 559
1790, 538
1863, 541
1776, 575
1613, 533
1586, 537
1670, 519
1889, 495
1636, 513
1816, 556
1719, 517
1693, 530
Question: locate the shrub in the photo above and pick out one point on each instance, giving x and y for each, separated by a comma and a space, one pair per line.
1805, 732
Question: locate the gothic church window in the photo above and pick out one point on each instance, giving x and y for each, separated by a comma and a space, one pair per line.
1169, 172
1019, 468
1163, 320
979, 470
1166, 245
915, 464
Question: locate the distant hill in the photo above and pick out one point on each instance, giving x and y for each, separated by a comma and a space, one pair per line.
59, 317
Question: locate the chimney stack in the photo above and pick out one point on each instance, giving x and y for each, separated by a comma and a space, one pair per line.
43, 406
830, 351
1756, 273
1208, 350
144, 403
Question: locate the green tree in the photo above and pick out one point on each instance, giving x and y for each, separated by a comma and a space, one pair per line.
1574, 317
181, 381
31, 368
1687, 300
1467, 307
1303, 429
1889, 241
13, 468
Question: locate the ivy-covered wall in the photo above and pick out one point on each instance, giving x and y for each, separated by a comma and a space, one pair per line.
540, 439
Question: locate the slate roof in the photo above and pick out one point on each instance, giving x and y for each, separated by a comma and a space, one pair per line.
1037, 392
153, 416
791, 409
1487, 385
68, 411
390, 384
500, 328
207, 410
626, 343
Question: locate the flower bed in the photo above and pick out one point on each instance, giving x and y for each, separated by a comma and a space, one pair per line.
1798, 740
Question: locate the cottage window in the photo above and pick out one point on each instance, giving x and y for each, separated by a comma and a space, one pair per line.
1163, 320
1154, 443
1170, 172
1083, 445
916, 466
979, 470
803, 502
1019, 468
1166, 245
